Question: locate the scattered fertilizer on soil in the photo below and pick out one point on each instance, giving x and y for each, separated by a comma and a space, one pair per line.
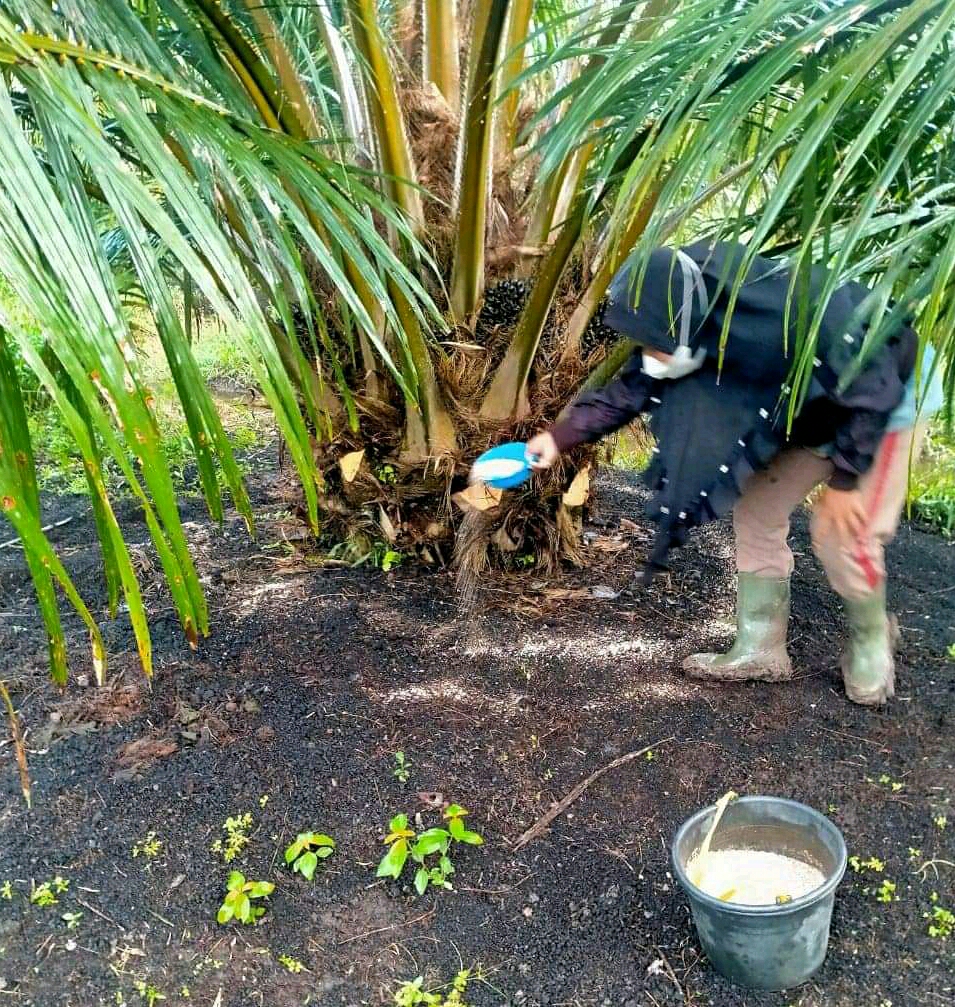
753, 877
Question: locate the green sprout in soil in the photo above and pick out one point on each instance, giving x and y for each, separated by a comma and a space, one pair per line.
872, 864
386, 474
886, 892
307, 850
45, 895
941, 921
238, 901
412, 994
6, 891
402, 770
940, 822
149, 847
887, 781
430, 850
72, 920
386, 558
263, 800
291, 964
148, 992
914, 854
237, 831
650, 756
951, 652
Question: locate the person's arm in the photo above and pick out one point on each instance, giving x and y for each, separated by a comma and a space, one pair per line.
868, 403
604, 410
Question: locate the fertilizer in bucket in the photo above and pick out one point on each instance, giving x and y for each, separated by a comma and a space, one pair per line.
749, 876
761, 874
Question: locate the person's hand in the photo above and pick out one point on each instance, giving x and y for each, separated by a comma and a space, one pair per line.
842, 511
542, 451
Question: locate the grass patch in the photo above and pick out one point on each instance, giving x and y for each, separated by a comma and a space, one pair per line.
218, 354
631, 448
932, 486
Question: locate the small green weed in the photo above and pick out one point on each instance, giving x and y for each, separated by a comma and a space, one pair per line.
291, 964
951, 652
6, 890
45, 895
308, 849
413, 994
239, 896
941, 921
148, 992
237, 831
430, 850
386, 558
402, 770
914, 854
149, 847
72, 920
886, 892
263, 800
887, 781
872, 864
386, 474
941, 821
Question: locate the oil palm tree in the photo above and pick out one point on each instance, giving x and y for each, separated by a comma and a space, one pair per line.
339, 181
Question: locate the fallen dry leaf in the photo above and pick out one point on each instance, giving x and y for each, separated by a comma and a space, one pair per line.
478, 496
350, 464
387, 528
579, 490
605, 544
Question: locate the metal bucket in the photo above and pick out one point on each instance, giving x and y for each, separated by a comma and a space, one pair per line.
765, 947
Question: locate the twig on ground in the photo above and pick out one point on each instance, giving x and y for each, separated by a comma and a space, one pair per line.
17, 736
923, 870
671, 975
46, 527
542, 824
96, 912
394, 926
499, 891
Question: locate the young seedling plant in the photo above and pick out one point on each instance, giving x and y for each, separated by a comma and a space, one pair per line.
402, 770
307, 850
430, 850
239, 898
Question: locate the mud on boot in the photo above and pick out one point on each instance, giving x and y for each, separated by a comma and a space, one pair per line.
762, 622
868, 663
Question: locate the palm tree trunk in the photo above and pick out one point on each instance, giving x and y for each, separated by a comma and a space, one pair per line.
467, 277
518, 26
384, 103
440, 49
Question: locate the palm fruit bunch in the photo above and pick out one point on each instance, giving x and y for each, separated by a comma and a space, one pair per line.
503, 304
597, 335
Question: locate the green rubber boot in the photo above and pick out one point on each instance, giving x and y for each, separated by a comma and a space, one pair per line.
868, 664
762, 620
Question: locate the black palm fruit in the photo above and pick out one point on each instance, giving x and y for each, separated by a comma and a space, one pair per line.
597, 335
503, 304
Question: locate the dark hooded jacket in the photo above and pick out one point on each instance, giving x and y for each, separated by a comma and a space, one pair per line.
718, 425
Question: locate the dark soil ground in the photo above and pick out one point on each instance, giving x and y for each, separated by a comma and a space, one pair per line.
315, 676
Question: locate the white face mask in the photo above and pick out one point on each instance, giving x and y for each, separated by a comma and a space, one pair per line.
680, 363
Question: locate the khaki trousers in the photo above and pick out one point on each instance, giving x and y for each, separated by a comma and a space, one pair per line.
855, 569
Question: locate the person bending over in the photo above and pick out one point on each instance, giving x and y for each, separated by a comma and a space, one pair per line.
719, 418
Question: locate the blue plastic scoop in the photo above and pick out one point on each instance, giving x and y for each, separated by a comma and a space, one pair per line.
503, 467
